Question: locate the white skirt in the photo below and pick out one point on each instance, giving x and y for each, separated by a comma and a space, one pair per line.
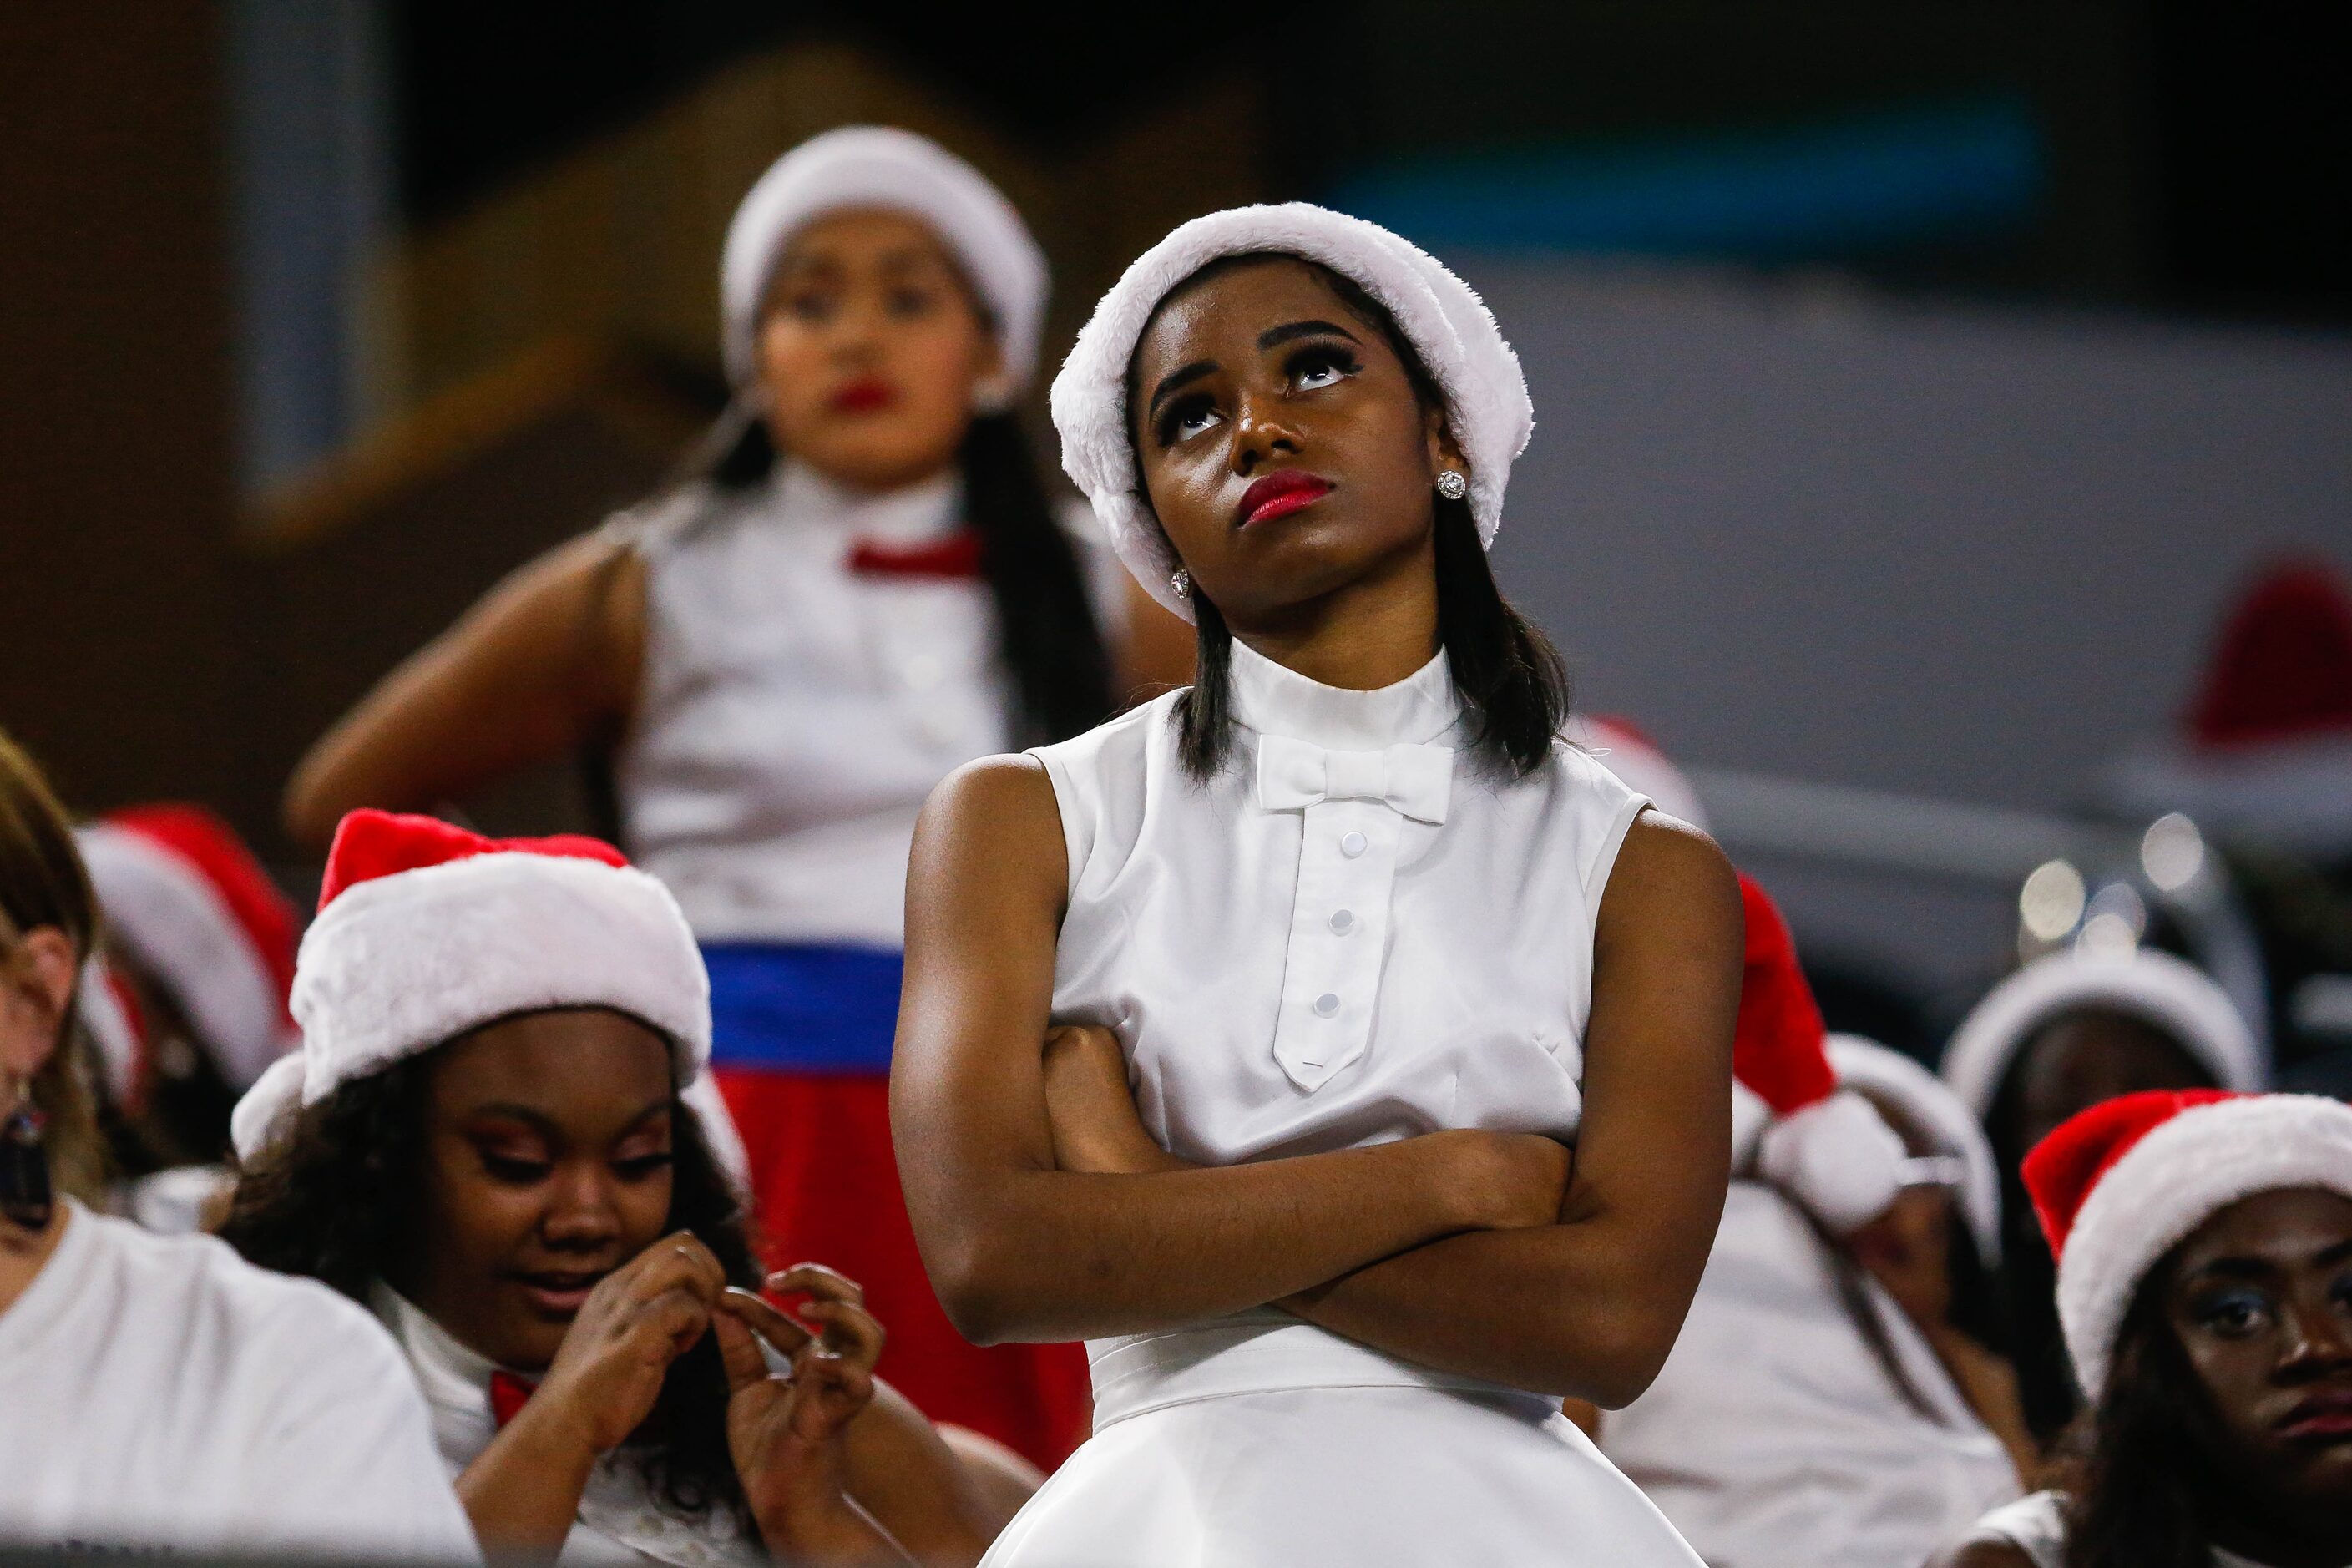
1353, 1477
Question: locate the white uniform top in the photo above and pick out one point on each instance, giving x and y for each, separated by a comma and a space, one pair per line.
161, 1393
1773, 1438
794, 713
2036, 1526
620, 1523
1353, 934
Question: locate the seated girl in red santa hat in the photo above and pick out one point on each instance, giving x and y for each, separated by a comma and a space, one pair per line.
483, 1138
2204, 1244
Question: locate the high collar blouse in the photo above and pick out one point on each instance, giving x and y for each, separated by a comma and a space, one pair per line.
1356, 931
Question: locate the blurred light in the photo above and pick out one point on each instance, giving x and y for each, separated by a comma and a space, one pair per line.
2172, 852
2116, 919
2051, 900
2108, 934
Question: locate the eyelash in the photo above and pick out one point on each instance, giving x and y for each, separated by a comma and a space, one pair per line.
523, 1172
1311, 356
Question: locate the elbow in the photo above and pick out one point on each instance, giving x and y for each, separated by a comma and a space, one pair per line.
973, 1280
308, 810
1624, 1358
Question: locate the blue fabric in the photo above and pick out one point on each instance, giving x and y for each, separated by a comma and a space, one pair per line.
793, 1008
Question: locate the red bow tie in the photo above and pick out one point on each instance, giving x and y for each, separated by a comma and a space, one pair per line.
509, 1393
956, 555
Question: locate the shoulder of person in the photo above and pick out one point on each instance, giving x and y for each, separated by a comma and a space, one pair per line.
665, 520
1119, 743
303, 1326
2029, 1532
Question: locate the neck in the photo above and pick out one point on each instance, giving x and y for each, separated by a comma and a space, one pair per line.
1373, 633
23, 1253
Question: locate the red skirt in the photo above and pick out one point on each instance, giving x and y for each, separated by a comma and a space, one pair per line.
825, 1189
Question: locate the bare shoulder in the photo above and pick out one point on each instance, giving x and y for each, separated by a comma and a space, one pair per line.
993, 794
1982, 1554
996, 821
1669, 869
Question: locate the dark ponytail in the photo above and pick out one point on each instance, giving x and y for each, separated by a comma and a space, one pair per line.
1508, 673
1051, 646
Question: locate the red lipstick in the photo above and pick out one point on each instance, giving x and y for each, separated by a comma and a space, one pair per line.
865, 395
2325, 1416
1279, 494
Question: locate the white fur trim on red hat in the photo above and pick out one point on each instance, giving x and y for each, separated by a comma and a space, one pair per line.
880, 167
1446, 322
177, 925
1838, 1156
2173, 996
2171, 1181
1879, 1071
401, 963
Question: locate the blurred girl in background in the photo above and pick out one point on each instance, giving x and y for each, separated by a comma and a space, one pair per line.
500, 1165
2063, 1034
161, 1395
2204, 1245
864, 587
1804, 1420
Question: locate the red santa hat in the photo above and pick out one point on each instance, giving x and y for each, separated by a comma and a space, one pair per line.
2265, 746
191, 905
2121, 1184
1792, 1124
1620, 745
2175, 997
426, 930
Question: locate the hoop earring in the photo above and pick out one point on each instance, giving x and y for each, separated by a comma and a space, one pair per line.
26, 1198
1452, 485
1180, 583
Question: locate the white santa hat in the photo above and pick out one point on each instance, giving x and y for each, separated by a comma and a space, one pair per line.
1792, 1124
1888, 1077
1445, 322
879, 166
426, 930
2123, 1184
1620, 745
187, 900
2156, 987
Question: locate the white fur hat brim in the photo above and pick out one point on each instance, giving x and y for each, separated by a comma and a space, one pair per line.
881, 167
2171, 1182
397, 965
177, 925
1448, 325
2173, 996
1880, 1072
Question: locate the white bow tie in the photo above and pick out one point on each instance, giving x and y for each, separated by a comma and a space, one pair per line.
1417, 781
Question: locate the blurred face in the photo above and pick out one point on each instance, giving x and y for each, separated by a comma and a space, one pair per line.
871, 350
2088, 1058
547, 1166
2262, 1299
1281, 443
1908, 1249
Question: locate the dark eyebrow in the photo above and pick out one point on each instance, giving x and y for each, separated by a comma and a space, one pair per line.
545, 1126
1174, 379
2339, 1253
1275, 337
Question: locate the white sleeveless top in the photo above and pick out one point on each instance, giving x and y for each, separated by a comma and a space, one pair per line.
2036, 1525
1354, 934
794, 713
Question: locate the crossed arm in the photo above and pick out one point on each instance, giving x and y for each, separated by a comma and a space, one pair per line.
1469, 1251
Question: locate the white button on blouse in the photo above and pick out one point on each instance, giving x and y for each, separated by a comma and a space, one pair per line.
1355, 932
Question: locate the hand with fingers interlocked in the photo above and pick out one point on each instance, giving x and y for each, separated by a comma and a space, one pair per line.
786, 1431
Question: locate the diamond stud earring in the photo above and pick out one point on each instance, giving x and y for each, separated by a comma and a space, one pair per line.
1452, 485
1180, 583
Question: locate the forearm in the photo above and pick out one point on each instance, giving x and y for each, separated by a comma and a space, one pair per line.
1574, 1309
899, 1470
1052, 1255
523, 1492
814, 1523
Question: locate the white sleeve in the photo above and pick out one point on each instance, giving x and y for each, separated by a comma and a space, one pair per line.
343, 1462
